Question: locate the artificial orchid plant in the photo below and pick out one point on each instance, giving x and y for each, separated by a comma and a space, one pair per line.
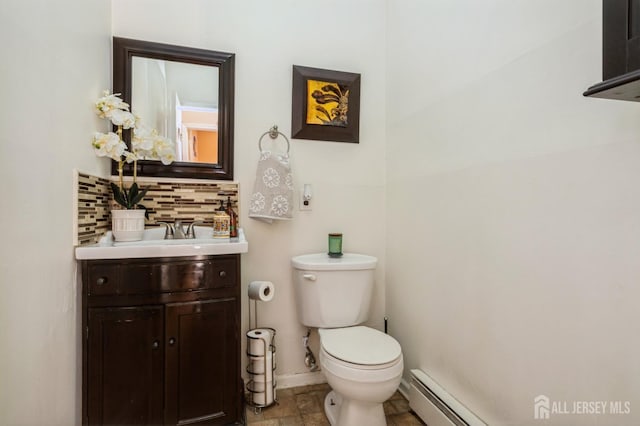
146, 144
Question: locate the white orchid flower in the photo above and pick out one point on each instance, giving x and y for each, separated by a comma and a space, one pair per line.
146, 143
130, 157
108, 145
108, 103
142, 140
138, 144
161, 144
141, 130
167, 157
121, 118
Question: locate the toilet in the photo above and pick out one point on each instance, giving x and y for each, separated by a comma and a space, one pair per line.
362, 365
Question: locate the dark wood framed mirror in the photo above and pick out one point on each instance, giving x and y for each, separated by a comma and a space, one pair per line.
162, 82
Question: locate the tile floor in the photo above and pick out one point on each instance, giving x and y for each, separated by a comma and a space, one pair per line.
304, 406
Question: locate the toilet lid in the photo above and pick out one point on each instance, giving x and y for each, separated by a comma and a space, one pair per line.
360, 345
322, 262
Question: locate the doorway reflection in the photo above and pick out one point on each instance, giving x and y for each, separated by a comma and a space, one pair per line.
197, 134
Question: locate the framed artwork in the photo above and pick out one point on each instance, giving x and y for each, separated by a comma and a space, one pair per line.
325, 105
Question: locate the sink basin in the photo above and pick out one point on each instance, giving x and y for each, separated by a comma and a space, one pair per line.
153, 244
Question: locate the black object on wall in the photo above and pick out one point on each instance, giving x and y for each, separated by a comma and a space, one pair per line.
620, 52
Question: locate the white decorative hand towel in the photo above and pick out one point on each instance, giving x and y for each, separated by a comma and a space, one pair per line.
272, 196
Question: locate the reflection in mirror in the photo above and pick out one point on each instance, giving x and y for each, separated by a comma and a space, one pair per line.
186, 94
181, 101
197, 134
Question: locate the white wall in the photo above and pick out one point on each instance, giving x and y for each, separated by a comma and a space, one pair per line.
55, 63
348, 179
517, 274
512, 206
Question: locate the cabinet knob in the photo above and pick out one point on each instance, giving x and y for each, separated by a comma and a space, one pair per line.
172, 341
223, 274
101, 280
156, 344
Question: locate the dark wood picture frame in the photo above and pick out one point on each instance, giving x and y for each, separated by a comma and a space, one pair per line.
300, 129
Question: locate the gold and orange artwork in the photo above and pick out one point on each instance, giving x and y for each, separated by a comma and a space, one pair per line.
327, 103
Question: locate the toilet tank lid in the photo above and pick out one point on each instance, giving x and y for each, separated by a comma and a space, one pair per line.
322, 262
360, 345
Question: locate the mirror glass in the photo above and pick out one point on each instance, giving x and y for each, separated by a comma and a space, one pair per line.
179, 100
187, 95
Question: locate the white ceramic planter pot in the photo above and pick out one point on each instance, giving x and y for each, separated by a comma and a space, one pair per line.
127, 225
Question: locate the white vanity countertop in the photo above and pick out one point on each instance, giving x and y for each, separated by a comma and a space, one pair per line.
153, 245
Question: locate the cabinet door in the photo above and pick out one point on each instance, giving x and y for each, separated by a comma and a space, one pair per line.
202, 366
125, 366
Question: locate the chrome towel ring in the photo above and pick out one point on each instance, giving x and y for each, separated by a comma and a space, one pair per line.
273, 134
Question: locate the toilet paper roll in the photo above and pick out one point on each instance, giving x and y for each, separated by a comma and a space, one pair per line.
263, 393
257, 367
261, 290
258, 341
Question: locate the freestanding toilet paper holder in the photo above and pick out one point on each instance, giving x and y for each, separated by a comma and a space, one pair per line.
262, 392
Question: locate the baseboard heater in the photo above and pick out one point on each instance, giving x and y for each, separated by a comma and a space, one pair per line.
435, 406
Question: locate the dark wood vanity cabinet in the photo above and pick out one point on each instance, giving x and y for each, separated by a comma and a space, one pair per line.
161, 343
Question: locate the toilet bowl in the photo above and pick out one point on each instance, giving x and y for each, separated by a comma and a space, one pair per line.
362, 365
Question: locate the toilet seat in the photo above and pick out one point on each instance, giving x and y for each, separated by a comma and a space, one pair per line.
356, 373
360, 347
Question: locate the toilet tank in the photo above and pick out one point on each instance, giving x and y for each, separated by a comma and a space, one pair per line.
333, 292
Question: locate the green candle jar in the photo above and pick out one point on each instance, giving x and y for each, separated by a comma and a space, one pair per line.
335, 245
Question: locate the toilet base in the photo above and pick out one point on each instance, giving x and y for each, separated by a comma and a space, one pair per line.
352, 413
332, 404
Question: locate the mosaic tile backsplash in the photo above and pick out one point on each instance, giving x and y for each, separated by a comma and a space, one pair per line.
93, 198
166, 201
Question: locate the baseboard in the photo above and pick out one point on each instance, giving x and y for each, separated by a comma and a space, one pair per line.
285, 381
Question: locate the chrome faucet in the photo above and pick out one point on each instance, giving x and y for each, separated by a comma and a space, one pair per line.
191, 231
175, 231
178, 232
